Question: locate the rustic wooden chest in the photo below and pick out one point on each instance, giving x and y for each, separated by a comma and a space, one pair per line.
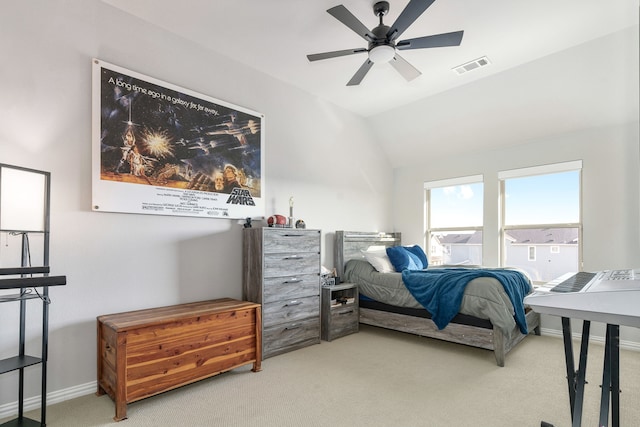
146, 352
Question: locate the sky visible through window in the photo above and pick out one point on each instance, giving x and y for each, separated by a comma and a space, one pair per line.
540, 199
457, 206
543, 199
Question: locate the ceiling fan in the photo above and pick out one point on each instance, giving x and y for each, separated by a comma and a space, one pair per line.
382, 39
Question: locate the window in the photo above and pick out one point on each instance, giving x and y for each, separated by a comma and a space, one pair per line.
541, 219
453, 220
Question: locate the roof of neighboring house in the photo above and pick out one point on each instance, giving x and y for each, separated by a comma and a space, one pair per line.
545, 236
461, 239
538, 236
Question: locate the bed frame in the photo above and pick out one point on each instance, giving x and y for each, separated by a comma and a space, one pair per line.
349, 244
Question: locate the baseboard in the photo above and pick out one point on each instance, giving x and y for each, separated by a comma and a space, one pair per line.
627, 345
11, 409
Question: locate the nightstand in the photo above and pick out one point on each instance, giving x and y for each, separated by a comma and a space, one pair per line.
339, 310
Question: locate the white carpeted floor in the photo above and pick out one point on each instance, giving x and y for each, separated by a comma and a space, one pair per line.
378, 378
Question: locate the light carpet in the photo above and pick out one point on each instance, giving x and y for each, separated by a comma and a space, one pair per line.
378, 378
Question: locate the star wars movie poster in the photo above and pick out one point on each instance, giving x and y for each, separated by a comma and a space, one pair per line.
164, 150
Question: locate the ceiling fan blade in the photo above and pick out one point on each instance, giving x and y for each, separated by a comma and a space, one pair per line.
359, 75
343, 15
408, 71
334, 54
438, 40
414, 9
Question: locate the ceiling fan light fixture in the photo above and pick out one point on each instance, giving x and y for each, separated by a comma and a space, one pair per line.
381, 54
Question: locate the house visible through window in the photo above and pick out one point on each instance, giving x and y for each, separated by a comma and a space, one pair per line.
541, 227
454, 223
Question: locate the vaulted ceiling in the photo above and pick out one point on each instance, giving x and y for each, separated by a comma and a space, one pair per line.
275, 36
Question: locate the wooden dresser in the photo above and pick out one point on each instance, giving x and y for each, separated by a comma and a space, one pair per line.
146, 352
281, 271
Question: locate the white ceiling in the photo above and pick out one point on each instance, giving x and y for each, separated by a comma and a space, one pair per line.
275, 36
556, 66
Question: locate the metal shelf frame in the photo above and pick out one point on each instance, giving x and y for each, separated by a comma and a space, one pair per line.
22, 278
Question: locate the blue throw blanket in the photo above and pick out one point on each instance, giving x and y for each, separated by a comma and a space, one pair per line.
440, 290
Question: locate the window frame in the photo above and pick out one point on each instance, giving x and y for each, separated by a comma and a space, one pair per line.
450, 182
531, 253
503, 176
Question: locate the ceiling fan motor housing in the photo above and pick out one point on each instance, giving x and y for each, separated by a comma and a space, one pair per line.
381, 8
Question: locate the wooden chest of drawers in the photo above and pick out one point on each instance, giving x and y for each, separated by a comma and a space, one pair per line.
281, 271
146, 352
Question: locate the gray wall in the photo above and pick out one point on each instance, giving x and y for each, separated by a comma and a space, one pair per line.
323, 156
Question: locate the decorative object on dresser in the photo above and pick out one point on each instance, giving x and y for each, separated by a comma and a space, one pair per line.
281, 271
339, 310
486, 318
146, 352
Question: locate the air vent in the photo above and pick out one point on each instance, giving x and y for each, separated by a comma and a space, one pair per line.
472, 65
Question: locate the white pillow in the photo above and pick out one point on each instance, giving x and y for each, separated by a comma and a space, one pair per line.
379, 260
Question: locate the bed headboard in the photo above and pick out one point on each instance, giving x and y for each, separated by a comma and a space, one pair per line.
349, 244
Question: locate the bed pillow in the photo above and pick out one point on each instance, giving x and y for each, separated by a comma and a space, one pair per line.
417, 251
402, 259
379, 260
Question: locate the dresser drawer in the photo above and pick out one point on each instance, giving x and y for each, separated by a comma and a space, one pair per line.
344, 320
286, 264
281, 270
282, 288
290, 240
291, 310
290, 336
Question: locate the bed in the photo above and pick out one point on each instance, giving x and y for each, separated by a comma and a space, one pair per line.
487, 317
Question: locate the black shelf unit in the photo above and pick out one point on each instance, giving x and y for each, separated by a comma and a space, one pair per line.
29, 282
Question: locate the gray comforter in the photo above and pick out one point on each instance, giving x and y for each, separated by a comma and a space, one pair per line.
484, 297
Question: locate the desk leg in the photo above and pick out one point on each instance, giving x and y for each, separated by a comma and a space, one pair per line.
576, 379
615, 375
568, 355
611, 378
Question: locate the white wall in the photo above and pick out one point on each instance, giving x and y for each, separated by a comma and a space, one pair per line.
321, 155
325, 157
594, 83
610, 185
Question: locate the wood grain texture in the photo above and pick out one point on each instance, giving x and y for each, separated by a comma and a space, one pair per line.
349, 244
489, 339
339, 320
146, 352
281, 271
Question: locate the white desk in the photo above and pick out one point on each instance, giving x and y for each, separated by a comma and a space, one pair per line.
615, 308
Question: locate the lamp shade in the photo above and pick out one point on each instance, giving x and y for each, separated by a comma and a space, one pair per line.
381, 54
23, 198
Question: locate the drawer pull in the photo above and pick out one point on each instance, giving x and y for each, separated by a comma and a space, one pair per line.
293, 257
293, 280
294, 302
292, 326
346, 312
